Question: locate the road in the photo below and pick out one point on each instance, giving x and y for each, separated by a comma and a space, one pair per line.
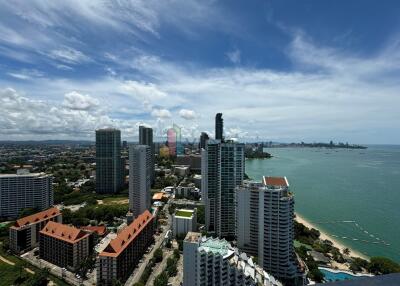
159, 268
135, 277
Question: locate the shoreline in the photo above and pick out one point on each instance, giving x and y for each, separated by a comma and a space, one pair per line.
324, 236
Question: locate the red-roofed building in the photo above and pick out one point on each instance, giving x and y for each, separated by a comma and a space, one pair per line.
122, 254
24, 234
63, 245
100, 230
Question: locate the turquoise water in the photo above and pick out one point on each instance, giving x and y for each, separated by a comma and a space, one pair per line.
351, 194
337, 276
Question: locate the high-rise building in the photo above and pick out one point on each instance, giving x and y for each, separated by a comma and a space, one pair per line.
63, 245
265, 227
171, 141
146, 138
203, 140
213, 261
120, 257
24, 234
139, 179
24, 190
222, 170
109, 164
219, 127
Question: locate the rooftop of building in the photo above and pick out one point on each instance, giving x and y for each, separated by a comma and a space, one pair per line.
24, 174
216, 246
184, 213
99, 230
109, 129
239, 259
275, 181
127, 235
37, 217
386, 280
158, 196
63, 232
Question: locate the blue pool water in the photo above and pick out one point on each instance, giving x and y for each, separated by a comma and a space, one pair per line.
337, 276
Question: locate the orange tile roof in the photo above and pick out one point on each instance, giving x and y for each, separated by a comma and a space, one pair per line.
127, 235
275, 181
100, 230
64, 232
37, 217
158, 196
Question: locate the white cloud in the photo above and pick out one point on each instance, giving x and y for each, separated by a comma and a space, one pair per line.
187, 114
76, 101
234, 56
68, 55
26, 74
161, 113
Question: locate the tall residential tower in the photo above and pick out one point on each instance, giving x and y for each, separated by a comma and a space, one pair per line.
219, 127
222, 169
146, 138
139, 179
109, 164
265, 227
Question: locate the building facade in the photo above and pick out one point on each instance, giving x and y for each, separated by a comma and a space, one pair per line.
139, 179
63, 245
120, 257
146, 138
265, 227
203, 140
24, 234
209, 261
219, 127
184, 221
222, 170
24, 190
109, 164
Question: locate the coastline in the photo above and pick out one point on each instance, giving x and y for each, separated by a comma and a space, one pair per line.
324, 236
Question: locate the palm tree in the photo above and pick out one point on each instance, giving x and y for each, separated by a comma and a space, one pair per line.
346, 251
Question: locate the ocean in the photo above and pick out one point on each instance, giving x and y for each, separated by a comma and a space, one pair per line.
351, 194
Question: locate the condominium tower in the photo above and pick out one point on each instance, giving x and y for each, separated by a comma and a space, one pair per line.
109, 164
222, 170
265, 227
203, 140
139, 179
213, 261
24, 190
146, 138
219, 127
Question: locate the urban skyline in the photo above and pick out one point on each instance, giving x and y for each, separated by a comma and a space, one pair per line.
299, 75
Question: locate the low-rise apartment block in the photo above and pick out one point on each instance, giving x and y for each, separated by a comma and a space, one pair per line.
118, 260
63, 245
184, 221
24, 234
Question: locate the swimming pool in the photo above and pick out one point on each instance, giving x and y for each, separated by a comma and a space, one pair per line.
337, 275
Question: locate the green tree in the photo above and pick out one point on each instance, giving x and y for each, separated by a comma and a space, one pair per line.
158, 255
161, 280
383, 265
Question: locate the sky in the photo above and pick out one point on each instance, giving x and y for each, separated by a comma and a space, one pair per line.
284, 71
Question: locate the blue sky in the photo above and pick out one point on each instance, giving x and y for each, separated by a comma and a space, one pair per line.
277, 70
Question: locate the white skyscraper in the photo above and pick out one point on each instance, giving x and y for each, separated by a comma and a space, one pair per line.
24, 190
213, 261
265, 227
139, 179
222, 170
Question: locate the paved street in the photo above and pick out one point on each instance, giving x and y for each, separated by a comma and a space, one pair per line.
159, 267
57, 271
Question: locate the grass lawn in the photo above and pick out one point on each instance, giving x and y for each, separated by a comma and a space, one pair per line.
115, 200
8, 273
298, 244
184, 213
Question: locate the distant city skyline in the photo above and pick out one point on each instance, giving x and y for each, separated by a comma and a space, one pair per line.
328, 71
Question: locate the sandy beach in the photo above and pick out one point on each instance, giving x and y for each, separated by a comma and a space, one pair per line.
324, 236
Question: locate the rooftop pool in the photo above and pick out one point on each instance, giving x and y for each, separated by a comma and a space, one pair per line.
339, 275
